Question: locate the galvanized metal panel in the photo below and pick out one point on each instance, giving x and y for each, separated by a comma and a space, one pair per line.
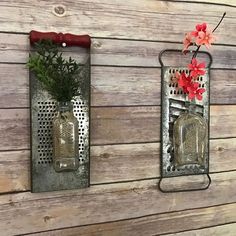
173, 104
43, 109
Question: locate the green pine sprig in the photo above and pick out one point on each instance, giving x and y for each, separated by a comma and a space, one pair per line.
60, 77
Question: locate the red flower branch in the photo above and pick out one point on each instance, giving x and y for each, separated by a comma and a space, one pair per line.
196, 69
202, 35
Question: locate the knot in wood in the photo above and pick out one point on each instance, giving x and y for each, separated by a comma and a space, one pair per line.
105, 155
220, 149
59, 10
96, 44
46, 218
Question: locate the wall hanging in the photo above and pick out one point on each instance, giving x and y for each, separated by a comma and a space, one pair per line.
185, 112
60, 110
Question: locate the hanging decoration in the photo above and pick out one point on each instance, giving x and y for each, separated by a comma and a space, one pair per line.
60, 105
185, 109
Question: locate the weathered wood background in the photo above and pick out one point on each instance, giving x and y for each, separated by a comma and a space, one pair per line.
123, 199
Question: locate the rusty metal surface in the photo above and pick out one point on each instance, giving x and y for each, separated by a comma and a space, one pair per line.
43, 109
173, 104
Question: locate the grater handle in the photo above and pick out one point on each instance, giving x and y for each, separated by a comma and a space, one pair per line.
183, 190
163, 52
61, 39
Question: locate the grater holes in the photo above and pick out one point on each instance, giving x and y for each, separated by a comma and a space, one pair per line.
169, 166
172, 168
46, 113
169, 149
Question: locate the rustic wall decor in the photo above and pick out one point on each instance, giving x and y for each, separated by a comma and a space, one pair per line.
185, 142
125, 121
60, 119
185, 109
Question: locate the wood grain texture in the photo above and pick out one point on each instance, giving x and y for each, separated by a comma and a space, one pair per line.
161, 224
220, 2
113, 125
152, 20
14, 124
113, 163
14, 171
114, 86
26, 212
14, 48
221, 230
125, 120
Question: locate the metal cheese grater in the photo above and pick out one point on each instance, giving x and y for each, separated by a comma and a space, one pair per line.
173, 104
43, 109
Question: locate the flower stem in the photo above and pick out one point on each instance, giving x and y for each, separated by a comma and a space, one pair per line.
219, 22
195, 53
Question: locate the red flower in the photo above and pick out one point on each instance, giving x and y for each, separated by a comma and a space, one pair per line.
188, 86
199, 27
187, 41
206, 38
196, 69
195, 91
184, 81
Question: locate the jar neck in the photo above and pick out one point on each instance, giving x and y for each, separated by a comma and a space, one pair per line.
190, 107
65, 107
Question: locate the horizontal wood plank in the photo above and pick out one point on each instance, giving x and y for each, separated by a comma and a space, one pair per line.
26, 212
208, 2
142, 124
114, 86
113, 163
14, 171
222, 230
113, 125
14, 48
161, 224
122, 19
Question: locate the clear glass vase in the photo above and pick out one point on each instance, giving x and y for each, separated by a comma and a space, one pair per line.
190, 138
65, 139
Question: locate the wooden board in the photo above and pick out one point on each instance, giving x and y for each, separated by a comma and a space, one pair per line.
162, 224
107, 91
152, 20
216, 2
114, 125
227, 229
113, 163
26, 212
115, 52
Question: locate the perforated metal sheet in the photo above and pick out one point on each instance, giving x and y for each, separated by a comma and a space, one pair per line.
43, 109
173, 104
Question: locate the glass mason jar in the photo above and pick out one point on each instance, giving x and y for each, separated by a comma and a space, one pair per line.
65, 139
190, 138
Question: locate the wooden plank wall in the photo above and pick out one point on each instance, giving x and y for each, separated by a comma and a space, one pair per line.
123, 199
